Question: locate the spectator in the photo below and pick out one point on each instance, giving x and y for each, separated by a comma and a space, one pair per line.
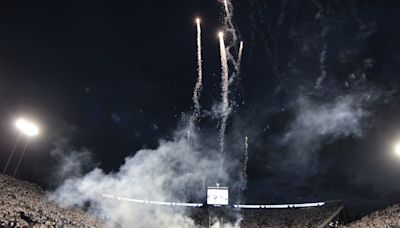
23, 205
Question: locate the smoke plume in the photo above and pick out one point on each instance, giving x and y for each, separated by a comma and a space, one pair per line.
316, 122
177, 171
70, 162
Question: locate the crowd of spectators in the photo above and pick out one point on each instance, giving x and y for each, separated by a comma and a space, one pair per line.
23, 204
290, 217
387, 218
294, 217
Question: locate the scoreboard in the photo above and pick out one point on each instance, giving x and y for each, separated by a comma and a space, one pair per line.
217, 196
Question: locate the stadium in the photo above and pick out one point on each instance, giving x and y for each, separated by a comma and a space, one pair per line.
192, 114
24, 205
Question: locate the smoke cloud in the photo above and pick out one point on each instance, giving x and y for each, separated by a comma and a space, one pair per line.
177, 171
69, 162
316, 122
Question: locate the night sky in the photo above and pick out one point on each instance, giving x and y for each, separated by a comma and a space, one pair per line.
115, 76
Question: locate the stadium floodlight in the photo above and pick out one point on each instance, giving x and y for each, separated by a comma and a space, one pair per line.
397, 149
27, 128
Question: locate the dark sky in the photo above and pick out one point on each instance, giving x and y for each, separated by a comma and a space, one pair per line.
116, 76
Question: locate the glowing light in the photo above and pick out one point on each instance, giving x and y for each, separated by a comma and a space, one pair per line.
239, 61
221, 35
198, 20
27, 128
397, 149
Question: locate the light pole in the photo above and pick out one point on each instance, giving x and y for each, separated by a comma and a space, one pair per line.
28, 129
22, 155
12, 153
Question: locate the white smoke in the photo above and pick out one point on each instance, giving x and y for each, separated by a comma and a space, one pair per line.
316, 122
70, 163
170, 173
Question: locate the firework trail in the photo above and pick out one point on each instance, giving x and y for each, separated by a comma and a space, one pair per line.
246, 158
233, 52
224, 90
228, 24
229, 29
197, 88
227, 8
321, 17
322, 67
237, 65
239, 60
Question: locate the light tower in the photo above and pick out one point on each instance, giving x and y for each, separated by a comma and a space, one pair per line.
27, 129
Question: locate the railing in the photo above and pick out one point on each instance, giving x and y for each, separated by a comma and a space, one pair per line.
281, 206
153, 202
266, 206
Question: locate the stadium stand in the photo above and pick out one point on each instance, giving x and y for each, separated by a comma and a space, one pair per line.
22, 204
389, 217
322, 216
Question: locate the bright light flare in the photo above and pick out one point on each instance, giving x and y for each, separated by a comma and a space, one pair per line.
221, 35
397, 149
27, 128
198, 20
